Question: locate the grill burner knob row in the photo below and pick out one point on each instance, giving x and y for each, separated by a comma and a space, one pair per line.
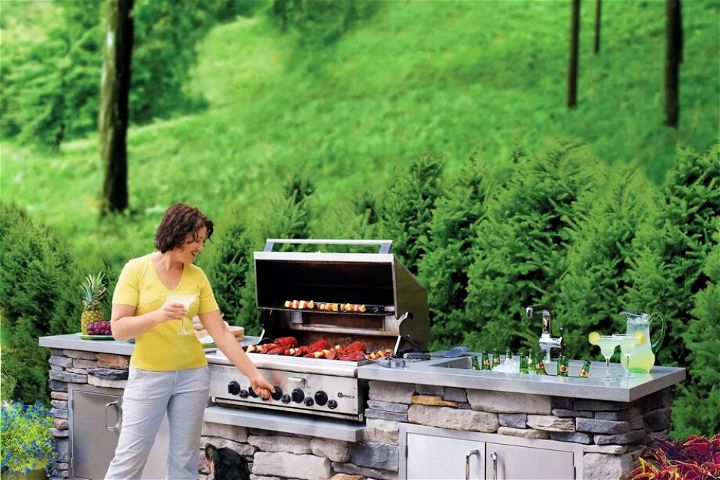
321, 398
298, 395
309, 402
233, 388
277, 394
332, 404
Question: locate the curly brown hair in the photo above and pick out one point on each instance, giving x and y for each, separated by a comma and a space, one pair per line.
179, 221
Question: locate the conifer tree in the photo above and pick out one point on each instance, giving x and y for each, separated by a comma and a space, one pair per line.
667, 271
444, 267
407, 212
697, 409
230, 269
592, 288
519, 248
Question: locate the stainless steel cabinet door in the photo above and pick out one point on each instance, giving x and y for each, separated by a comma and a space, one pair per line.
93, 444
443, 458
515, 462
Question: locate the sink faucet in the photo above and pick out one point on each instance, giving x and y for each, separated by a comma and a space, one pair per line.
547, 341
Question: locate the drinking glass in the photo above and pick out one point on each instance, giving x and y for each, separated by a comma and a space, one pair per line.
627, 348
607, 344
186, 301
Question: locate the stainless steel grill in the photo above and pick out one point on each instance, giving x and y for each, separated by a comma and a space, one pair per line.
395, 319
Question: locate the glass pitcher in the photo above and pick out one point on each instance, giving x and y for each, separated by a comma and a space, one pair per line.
643, 356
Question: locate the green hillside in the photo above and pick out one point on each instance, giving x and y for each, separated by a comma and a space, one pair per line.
447, 77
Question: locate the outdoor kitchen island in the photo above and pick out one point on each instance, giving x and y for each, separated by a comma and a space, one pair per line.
426, 419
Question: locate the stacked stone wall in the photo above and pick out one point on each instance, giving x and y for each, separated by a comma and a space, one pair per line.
612, 433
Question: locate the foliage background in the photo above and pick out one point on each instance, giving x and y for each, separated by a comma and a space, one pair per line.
441, 125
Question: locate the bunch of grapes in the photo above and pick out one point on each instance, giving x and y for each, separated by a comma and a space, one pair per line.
100, 328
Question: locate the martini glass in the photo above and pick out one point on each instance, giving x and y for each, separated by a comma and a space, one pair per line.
607, 344
186, 301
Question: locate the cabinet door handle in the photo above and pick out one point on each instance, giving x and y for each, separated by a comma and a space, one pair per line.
493, 455
116, 427
467, 462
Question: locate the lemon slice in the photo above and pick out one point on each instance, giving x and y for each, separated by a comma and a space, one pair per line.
594, 338
639, 338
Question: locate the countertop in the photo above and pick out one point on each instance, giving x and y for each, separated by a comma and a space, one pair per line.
436, 372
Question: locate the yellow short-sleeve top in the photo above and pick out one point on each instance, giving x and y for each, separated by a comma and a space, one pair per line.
161, 348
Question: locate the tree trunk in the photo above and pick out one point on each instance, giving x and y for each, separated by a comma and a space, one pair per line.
598, 16
573, 67
673, 58
114, 92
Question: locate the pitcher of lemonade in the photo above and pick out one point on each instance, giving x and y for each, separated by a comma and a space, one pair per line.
643, 356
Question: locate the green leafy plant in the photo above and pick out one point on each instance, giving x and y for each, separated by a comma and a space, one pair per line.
697, 458
27, 443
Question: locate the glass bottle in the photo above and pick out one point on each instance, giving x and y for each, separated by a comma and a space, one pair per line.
496, 358
508, 354
540, 364
531, 361
585, 370
485, 365
523, 362
562, 366
475, 362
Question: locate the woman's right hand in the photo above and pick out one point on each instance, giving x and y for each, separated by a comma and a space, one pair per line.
170, 311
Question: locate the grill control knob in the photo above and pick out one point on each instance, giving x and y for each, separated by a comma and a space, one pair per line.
252, 392
244, 393
233, 388
321, 398
332, 404
298, 395
286, 398
309, 402
277, 394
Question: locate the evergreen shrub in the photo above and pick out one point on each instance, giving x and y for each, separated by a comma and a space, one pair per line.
519, 248
697, 408
591, 290
443, 269
27, 443
408, 208
667, 271
34, 298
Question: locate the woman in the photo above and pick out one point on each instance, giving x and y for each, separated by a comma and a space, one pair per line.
168, 370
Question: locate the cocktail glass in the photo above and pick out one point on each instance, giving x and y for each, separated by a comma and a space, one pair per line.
607, 344
186, 301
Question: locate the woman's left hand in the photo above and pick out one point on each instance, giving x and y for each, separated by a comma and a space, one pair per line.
261, 386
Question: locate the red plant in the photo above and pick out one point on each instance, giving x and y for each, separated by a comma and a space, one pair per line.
697, 458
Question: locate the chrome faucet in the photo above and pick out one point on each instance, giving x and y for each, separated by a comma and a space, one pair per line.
547, 341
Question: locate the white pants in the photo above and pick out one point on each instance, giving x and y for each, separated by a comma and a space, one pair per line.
183, 394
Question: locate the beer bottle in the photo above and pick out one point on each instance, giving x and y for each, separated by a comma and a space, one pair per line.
496, 358
508, 354
562, 366
585, 370
540, 364
485, 360
523, 362
531, 362
475, 362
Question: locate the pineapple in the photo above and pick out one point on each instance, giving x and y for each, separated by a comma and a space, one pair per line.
93, 291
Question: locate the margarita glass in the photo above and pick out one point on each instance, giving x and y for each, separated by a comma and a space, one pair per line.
607, 344
186, 301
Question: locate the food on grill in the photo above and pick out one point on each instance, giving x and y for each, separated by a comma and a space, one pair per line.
324, 307
353, 352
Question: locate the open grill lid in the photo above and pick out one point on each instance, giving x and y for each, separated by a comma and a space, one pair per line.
396, 312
